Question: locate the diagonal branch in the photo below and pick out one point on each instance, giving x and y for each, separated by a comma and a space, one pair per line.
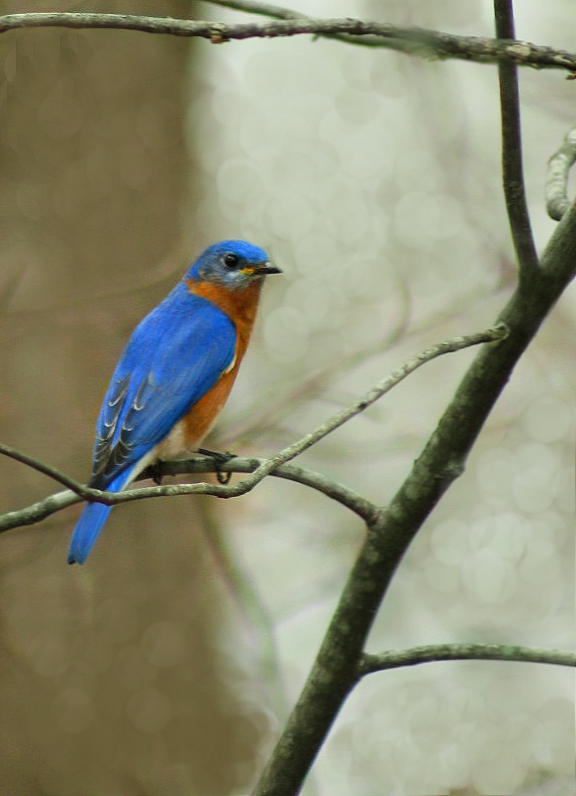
460, 652
495, 334
419, 42
46, 469
512, 172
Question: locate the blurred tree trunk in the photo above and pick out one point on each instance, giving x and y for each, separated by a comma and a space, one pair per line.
109, 678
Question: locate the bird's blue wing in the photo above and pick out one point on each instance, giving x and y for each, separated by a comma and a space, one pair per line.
175, 355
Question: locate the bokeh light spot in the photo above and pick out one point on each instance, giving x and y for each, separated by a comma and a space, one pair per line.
488, 577
534, 489
548, 419
132, 669
163, 644
149, 710
49, 654
239, 180
73, 710
286, 333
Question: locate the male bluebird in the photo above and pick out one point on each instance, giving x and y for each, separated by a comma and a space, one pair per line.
174, 375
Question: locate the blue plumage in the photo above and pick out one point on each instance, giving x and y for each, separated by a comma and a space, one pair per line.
174, 357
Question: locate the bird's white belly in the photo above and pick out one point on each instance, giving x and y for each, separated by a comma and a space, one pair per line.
172, 447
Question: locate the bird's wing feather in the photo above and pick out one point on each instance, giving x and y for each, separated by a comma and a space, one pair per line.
175, 355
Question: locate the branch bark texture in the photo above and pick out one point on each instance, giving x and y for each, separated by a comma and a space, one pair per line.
420, 42
464, 652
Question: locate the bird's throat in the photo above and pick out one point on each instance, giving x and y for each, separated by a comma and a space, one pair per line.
239, 305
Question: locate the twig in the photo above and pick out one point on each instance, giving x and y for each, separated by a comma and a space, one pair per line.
512, 172
359, 505
264, 416
46, 469
557, 202
38, 511
419, 42
497, 333
459, 652
278, 12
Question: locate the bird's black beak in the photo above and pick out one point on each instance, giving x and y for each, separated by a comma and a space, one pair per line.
266, 268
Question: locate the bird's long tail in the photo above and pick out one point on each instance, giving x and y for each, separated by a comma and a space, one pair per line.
90, 523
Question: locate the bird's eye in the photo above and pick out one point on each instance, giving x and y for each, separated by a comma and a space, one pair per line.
231, 260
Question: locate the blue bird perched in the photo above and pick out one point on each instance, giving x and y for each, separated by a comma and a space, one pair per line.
175, 374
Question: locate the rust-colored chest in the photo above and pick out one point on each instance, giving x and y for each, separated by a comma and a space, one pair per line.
240, 306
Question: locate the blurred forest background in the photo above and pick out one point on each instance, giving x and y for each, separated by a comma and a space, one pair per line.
167, 663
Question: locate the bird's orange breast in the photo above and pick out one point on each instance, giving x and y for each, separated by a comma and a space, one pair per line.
197, 423
240, 306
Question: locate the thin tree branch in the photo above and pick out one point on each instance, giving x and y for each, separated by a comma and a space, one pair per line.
420, 42
264, 416
257, 468
277, 12
37, 512
335, 670
512, 172
46, 469
359, 505
460, 652
199, 464
494, 334
557, 202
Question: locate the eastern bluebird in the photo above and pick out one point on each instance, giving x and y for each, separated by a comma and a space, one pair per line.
174, 375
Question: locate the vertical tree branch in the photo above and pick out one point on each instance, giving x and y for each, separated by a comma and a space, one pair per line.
512, 171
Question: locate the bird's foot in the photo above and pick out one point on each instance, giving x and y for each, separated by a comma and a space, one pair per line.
219, 460
155, 470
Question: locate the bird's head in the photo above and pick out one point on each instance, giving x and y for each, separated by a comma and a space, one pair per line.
233, 264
